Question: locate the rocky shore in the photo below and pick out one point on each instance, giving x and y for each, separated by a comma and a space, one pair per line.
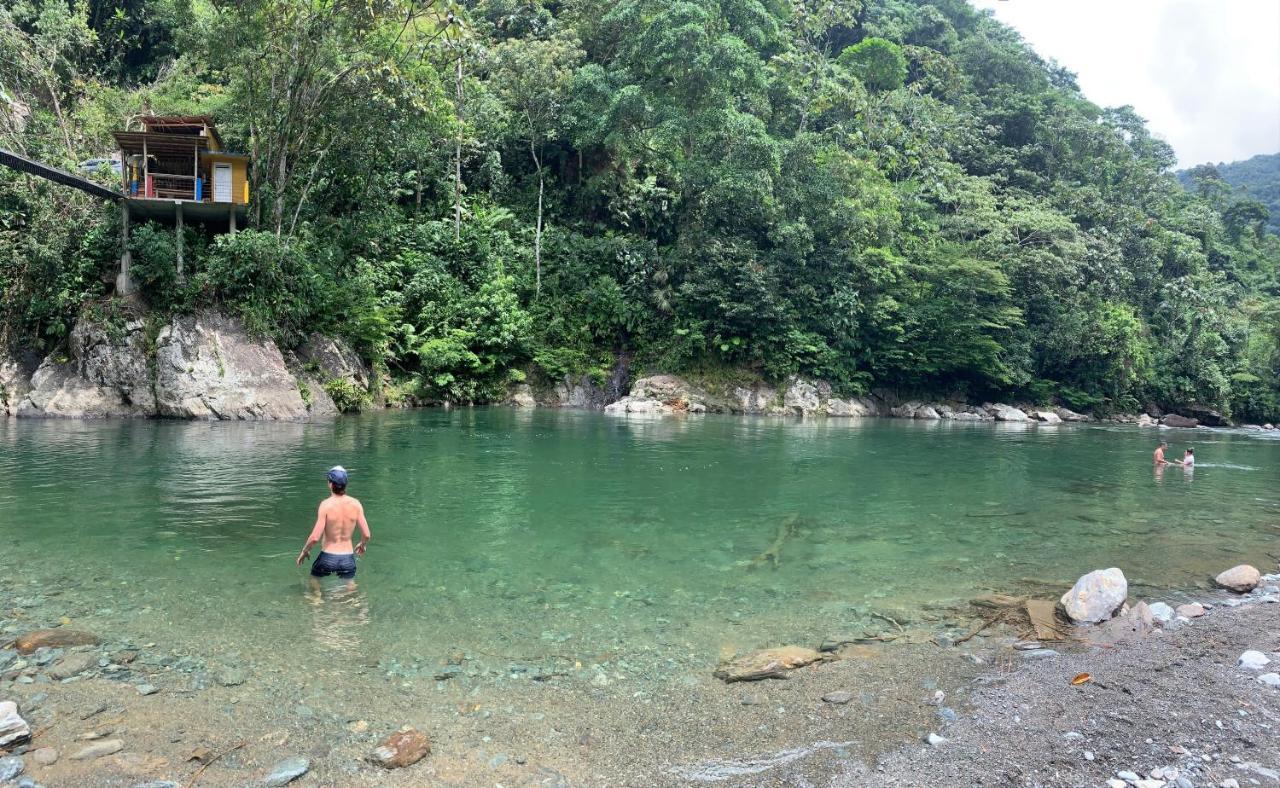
203, 366
1091, 688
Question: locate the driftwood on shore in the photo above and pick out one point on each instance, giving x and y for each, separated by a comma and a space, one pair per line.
1038, 617
771, 556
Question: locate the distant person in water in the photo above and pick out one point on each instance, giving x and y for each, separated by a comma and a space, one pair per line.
336, 520
1189, 459
1158, 456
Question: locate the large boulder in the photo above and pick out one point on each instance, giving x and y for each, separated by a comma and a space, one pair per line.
758, 399
15, 382
802, 397
1241, 579
1096, 596
208, 367
104, 373
1174, 420
1002, 412
1046, 417
582, 393
1067, 414
1207, 416
334, 360
855, 406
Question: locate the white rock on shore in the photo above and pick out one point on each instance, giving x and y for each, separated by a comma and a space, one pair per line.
13, 729
1096, 596
1241, 579
1162, 612
1006, 413
1253, 660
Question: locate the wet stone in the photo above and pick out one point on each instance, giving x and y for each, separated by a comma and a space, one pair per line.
400, 749
72, 665
98, 749
147, 689
287, 771
231, 677
839, 697
54, 638
10, 768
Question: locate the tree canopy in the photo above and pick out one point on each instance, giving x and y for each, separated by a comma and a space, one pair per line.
894, 194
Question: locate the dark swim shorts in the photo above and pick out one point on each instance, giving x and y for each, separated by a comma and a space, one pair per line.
344, 566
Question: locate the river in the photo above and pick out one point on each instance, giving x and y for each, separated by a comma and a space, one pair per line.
545, 544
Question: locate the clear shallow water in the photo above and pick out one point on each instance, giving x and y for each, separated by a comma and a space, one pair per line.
544, 536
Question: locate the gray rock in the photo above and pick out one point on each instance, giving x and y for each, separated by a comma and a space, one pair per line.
208, 367
521, 396
15, 382
1161, 612
1174, 420
158, 784
98, 749
1253, 660
1270, 679
335, 360
838, 697
1046, 417
1241, 579
1191, 610
1127, 776
147, 689
72, 665
10, 768
801, 397
287, 771
45, 756
1006, 413
231, 677
13, 729
1096, 596
934, 740
105, 373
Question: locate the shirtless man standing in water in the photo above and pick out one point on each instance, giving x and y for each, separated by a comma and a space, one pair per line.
338, 517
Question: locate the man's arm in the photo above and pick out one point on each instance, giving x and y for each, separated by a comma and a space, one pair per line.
365, 535
316, 533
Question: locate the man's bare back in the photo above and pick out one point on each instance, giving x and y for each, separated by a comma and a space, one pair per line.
336, 520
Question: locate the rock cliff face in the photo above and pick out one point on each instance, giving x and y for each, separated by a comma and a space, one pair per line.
800, 397
204, 366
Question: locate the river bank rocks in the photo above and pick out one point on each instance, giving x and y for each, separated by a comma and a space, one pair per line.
769, 663
13, 729
1096, 596
403, 748
1241, 579
202, 366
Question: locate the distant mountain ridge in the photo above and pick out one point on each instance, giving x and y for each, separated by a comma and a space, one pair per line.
1257, 177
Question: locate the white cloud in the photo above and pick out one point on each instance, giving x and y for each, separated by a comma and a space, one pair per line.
1204, 73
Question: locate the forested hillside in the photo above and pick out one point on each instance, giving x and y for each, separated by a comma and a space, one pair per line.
894, 194
1256, 178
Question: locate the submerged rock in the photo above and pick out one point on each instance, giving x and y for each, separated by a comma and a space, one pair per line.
287, 771
54, 638
98, 749
770, 663
402, 748
72, 665
1241, 579
1096, 596
10, 768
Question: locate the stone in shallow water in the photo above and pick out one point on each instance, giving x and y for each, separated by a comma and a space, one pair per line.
287, 771
98, 749
1096, 596
766, 664
10, 768
54, 638
13, 729
45, 756
147, 689
1241, 579
231, 677
402, 748
72, 665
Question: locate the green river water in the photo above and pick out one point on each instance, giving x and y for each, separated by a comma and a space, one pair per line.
543, 536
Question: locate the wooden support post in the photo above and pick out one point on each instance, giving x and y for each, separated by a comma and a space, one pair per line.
124, 283
178, 240
233, 219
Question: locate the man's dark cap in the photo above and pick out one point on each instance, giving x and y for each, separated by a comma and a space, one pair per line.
338, 475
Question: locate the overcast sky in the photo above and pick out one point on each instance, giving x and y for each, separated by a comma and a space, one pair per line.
1204, 73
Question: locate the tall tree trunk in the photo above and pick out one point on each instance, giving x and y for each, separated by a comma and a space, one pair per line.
537, 241
457, 155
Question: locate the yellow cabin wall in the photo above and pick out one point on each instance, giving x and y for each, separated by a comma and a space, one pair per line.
239, 176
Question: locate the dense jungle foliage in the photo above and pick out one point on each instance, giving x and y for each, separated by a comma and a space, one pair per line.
1257, 177
882, 193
